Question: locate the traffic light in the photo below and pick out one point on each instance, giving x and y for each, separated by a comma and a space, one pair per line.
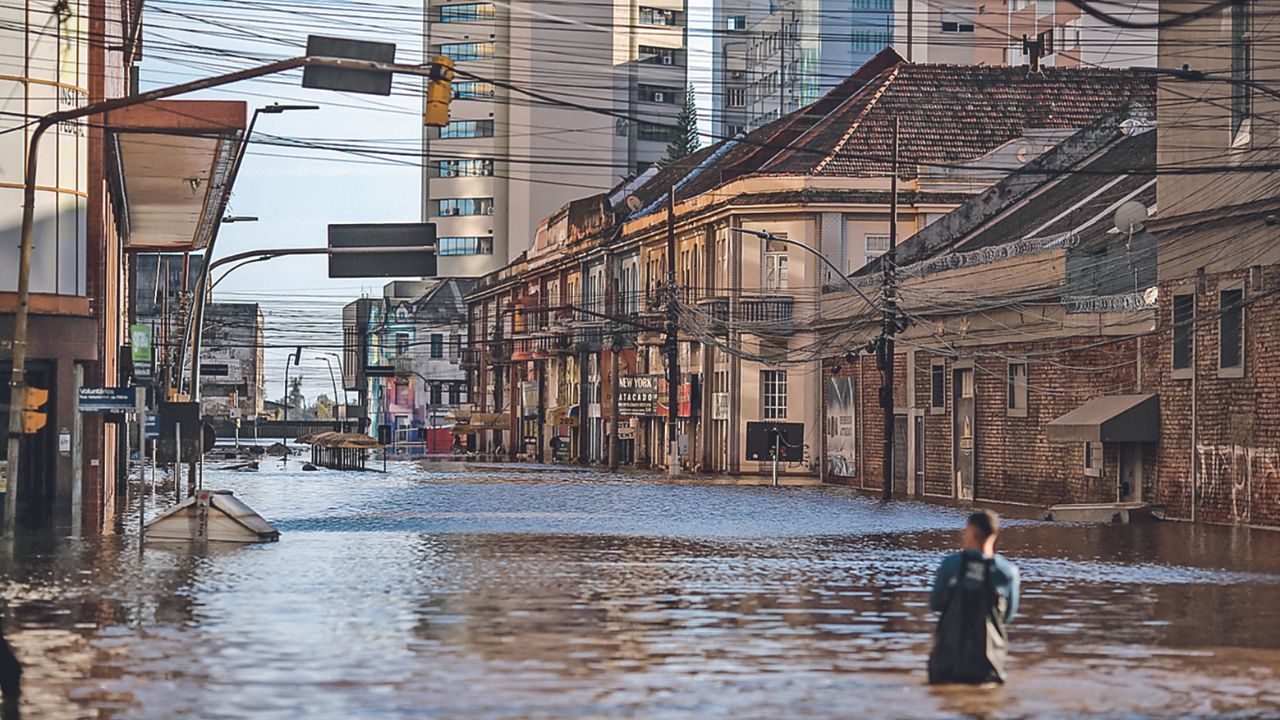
33, 418
439, 92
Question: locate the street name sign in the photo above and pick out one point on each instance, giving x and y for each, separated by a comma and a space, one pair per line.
372, 82
364, 250
108, 400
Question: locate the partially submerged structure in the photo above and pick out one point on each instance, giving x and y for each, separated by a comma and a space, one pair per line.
211, 516
341, 451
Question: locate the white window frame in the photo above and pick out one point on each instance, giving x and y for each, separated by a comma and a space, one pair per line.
773, 394
1092, 459
881, 241
774, 265
1016, 391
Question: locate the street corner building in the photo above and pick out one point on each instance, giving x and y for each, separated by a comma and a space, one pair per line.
568, 341
151, 177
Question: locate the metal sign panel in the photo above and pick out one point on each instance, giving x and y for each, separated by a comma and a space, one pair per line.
371, 82
764, 437
376, 239
108, 399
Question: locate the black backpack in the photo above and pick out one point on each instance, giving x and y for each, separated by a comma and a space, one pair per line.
970, 641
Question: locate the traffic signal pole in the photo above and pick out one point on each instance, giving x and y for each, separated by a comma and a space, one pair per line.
18, 379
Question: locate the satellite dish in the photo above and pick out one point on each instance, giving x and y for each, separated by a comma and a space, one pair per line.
633, 203
1151, 295
1131, 216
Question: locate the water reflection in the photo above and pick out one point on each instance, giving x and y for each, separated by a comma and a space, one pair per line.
500, 595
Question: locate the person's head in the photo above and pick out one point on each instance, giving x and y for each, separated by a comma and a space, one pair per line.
980, 531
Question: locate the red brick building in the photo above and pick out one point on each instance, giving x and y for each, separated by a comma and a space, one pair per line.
1023, 374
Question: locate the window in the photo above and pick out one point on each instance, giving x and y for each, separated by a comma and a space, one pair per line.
465, 168
659, 133
868, 41
657, 16
455, 393
737, 98
402, 344
401, 395
1073, 33
446, 207
469, 12
956, 23
464, 246
437, 393
472, 90
468, 50
1016, 387
773, 394
875, 245
775, 263
437, 345
658, 94
1241, 69
1184, 331
938, 386
467, 129
655, 55
1231, 330
1093, 459
736, 22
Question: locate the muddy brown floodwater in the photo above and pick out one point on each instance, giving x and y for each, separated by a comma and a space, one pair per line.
499, 593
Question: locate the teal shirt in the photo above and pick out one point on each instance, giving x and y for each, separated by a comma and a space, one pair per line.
1004, 578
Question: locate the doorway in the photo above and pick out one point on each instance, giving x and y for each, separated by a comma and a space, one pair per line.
963, 426
917, 448
1130, 488
900, 455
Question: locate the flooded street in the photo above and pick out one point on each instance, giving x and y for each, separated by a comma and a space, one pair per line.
504, 593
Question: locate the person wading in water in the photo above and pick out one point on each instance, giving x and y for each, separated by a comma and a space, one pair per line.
976, 592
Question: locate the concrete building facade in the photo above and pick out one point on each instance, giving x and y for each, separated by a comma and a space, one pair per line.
514, 151
231, 362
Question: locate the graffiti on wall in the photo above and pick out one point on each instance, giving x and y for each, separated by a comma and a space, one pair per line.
1231, 472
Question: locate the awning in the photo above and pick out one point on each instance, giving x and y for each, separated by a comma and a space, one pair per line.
172, 162
1110, 418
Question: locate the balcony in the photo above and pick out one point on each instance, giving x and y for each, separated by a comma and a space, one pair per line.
758, 315
469, 359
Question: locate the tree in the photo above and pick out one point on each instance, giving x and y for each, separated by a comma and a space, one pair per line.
685, 141
323, 407
296, 399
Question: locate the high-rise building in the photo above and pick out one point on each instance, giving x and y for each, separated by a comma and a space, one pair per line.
776, 56
549, 104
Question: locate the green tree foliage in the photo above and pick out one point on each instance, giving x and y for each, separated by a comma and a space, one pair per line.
685, 141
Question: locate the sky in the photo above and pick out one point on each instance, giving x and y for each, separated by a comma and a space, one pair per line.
295, 192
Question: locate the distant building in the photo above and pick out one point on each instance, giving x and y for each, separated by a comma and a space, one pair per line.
507, 159
402, 356
774, 58
161, 292
231, 362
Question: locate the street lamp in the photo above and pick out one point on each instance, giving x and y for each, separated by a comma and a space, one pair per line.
202, 283
333, 378
765, 235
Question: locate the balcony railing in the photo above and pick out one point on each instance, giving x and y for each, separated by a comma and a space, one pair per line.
755, 314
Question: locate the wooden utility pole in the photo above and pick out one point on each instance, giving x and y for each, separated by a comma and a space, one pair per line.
672, 341
885, 354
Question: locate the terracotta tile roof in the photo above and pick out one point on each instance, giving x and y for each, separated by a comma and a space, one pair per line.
950, 114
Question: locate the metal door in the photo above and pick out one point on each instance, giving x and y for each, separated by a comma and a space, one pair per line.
900, 455
918, 449
1130, 489
964, 422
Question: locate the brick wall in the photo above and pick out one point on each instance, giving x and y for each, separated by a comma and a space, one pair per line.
1014, 461
1233, 434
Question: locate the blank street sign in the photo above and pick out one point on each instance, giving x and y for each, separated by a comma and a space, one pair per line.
376, 238
371, 82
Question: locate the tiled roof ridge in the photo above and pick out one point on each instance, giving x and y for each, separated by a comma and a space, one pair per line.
857, 122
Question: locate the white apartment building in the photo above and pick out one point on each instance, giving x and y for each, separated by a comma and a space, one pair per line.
550, 104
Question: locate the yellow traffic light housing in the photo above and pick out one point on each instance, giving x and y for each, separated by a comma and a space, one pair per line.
33, 418
439, 92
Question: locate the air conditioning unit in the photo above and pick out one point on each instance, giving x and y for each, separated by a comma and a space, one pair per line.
668, 59
488, 210
448, 211
659, 97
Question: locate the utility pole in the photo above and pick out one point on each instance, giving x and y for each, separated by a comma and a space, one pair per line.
672, 341
885, 351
